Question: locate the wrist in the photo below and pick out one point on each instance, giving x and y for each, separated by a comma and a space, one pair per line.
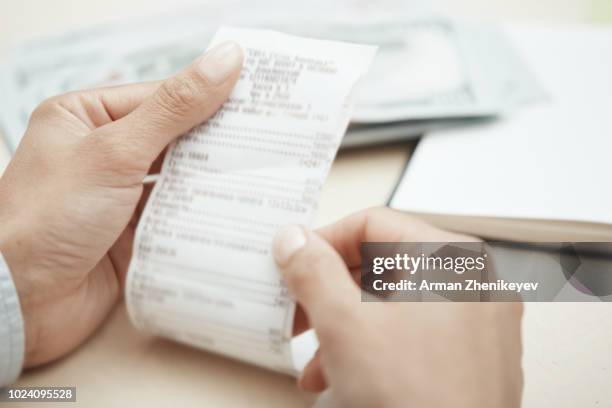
12, 342
12, 248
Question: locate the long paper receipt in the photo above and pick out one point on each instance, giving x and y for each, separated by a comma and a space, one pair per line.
202, 272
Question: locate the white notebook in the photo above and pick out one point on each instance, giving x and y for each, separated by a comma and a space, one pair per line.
541, 173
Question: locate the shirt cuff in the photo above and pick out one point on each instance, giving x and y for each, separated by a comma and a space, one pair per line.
12, 339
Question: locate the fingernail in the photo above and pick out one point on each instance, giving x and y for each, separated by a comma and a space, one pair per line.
288, 240
219, 63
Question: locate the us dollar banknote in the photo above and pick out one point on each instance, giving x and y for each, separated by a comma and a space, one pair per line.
429, 72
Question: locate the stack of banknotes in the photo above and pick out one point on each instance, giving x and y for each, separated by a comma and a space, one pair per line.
430, 72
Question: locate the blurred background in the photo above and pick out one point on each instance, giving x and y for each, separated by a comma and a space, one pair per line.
25, 18
429, 55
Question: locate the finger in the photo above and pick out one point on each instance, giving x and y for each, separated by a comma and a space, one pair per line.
381, 224
119, 101
100, 106
312, 379
156, 166
177, 105
121, 251
316, 275
300, 320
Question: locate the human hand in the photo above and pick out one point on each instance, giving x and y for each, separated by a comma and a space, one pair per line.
395, 354
71, 197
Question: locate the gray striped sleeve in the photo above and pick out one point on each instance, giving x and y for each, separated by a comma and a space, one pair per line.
12, 340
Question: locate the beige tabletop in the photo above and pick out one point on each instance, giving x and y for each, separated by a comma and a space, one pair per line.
568, 359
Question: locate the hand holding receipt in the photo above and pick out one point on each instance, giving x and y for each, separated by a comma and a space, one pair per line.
202, 272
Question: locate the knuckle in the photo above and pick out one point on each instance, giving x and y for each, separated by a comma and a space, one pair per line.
320, 264
61, 105
380, 215
46, 108
114, 153
376, 212
179, 95
311, 271
308, 269
299, 277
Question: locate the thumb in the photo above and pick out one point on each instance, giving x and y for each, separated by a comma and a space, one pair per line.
179, 103
316, 276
